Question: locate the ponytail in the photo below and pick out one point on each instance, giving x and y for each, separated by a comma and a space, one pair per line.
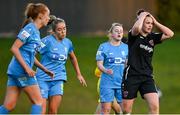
32, 11
26, 21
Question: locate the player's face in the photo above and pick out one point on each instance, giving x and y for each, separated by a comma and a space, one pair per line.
147, 25
45, 17
60, 30
117, 33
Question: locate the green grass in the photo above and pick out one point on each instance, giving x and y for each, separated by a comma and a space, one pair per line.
78, 99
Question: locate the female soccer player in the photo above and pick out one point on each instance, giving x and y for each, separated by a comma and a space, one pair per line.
20, 73
54, 56
111, 58
139, 74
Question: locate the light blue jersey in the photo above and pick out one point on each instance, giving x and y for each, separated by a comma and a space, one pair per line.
114, 58
30, 36
54, 56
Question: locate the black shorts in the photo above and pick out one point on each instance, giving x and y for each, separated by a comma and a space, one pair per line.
132, 84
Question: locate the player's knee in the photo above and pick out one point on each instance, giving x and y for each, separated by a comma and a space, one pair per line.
106, 110
126, 108
10, 106
52, 110
38, 101
154, 109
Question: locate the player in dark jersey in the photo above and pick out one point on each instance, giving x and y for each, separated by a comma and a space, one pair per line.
138, 74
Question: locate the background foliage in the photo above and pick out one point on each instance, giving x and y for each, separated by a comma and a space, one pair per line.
168, 12
78, 99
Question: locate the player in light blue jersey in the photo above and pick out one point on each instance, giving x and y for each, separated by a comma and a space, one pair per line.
111, 58
54, 56
20, 73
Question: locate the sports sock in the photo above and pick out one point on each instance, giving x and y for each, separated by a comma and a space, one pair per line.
36, 109
3, 110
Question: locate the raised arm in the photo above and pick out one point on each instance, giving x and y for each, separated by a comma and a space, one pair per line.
167, 33
137, 27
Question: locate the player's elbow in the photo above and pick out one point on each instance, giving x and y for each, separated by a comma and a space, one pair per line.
13, 49
170, 34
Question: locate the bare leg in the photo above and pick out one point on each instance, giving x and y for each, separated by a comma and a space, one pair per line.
153, 102
116, 107
106, 108
44, 106
12, 95
54, 102
34, 95
127, 105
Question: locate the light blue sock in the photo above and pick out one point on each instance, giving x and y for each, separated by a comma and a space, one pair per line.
3, 110
36, 109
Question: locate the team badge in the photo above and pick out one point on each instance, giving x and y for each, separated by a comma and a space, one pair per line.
123, 53
151, 42
125, 93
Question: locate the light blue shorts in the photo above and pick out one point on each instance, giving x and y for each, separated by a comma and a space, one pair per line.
51, 88
21, 81
108, 95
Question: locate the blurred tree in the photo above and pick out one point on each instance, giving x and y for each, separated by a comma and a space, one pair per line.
168, 12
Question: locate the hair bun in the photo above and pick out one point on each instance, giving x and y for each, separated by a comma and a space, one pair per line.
52, 18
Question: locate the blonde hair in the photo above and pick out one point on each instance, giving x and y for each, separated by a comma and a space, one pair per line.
113, 25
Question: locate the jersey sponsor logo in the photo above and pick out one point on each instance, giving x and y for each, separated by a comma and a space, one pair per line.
111, 60
24, 34
55, 49
62, 57
116, 60
145, 47
59, 57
